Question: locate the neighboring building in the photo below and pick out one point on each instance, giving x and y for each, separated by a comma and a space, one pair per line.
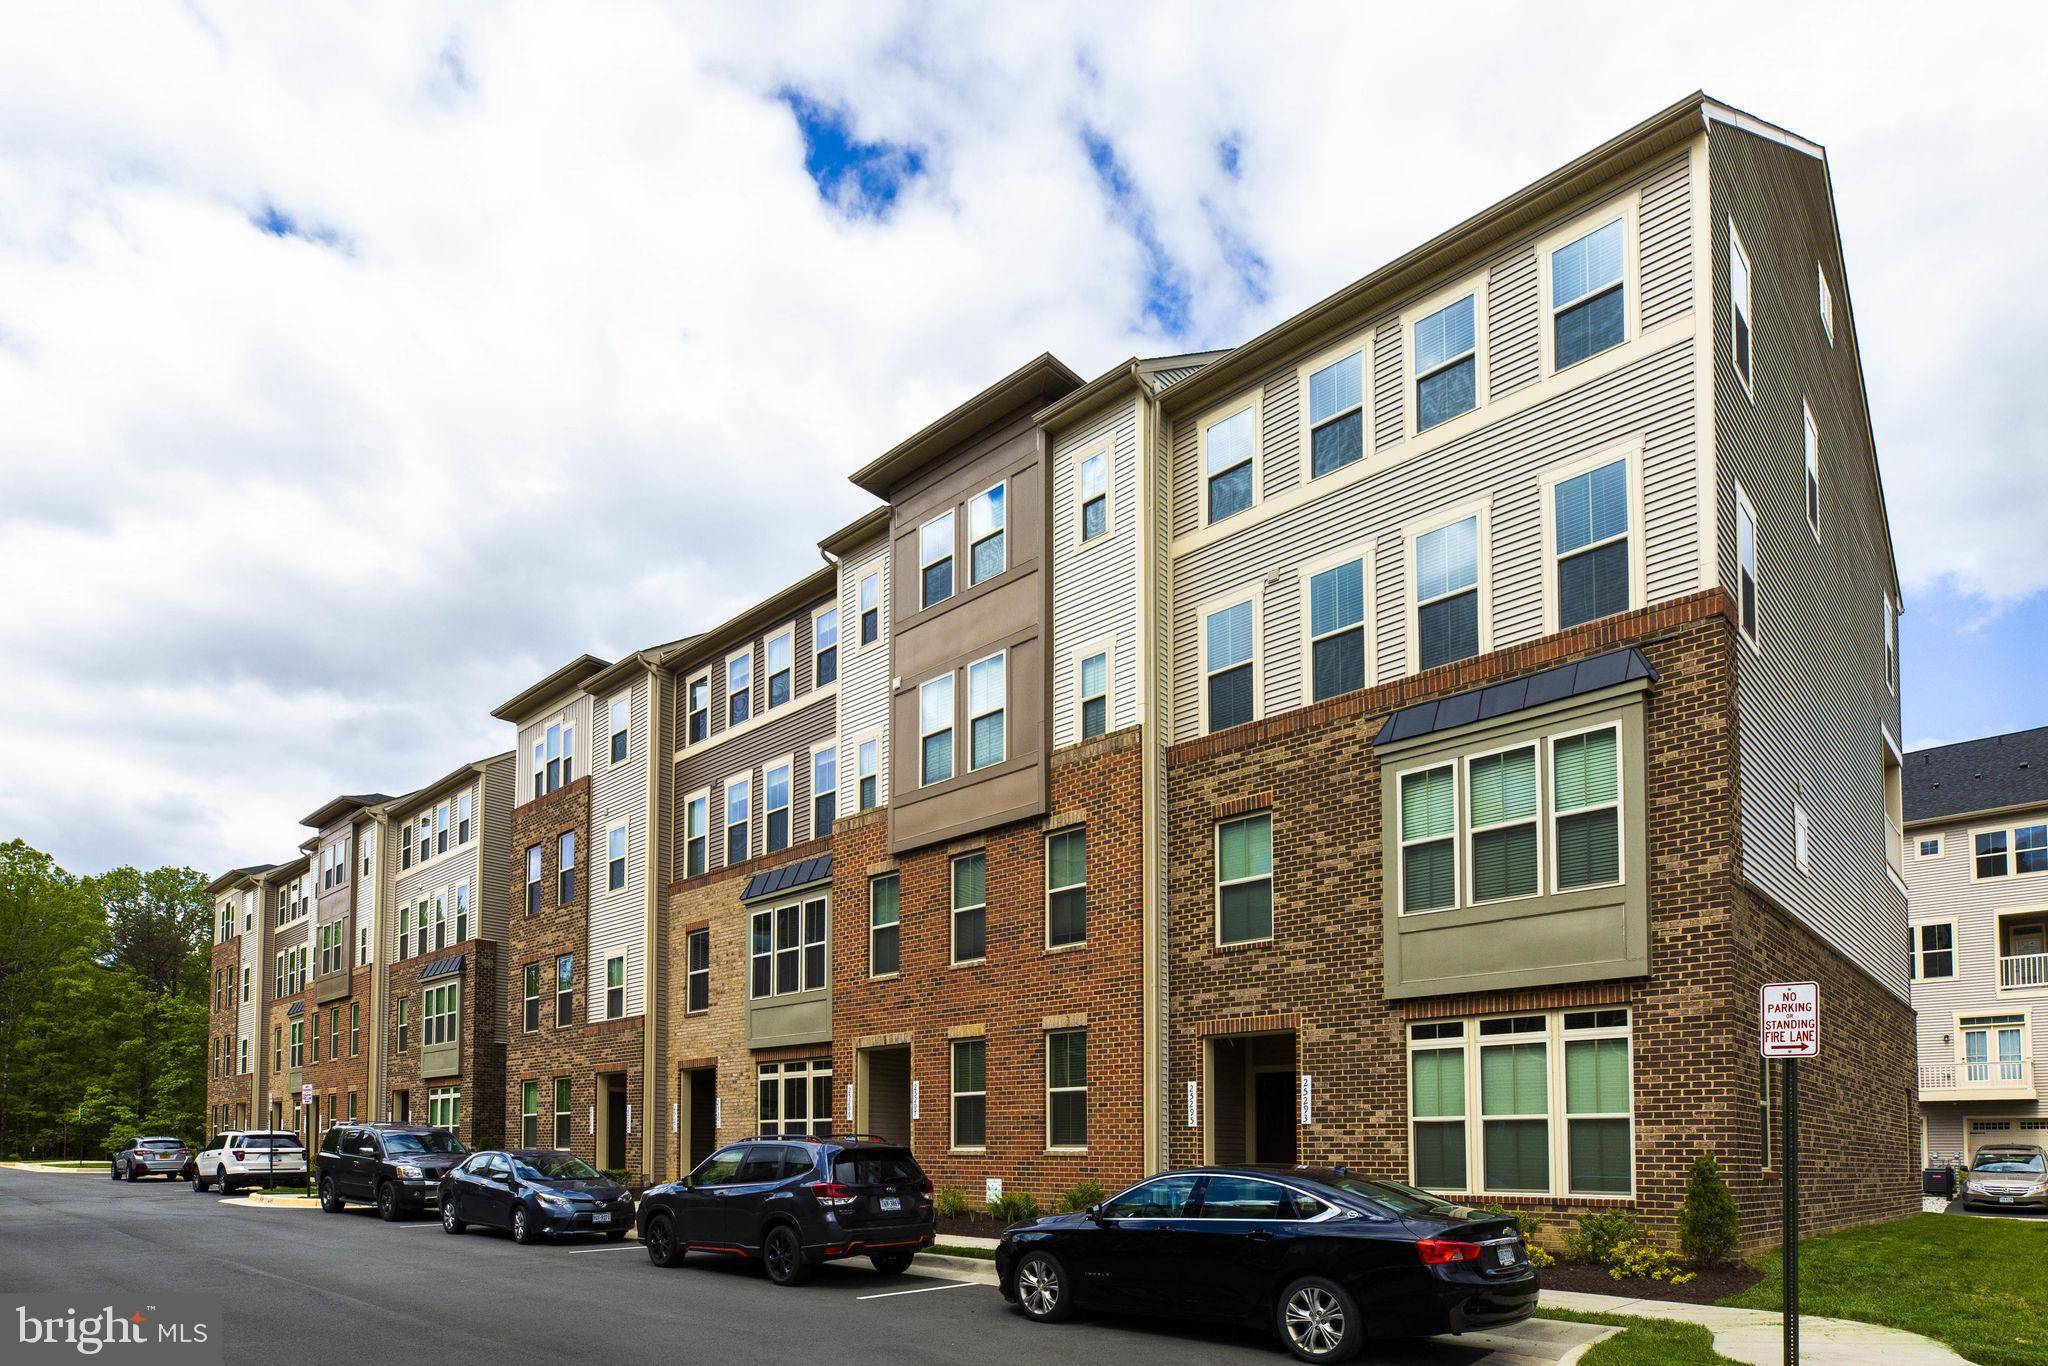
285, 905
235, 1005
1976, 858
341, 1032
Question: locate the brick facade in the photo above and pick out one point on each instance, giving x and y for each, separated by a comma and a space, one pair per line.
1317, 988
227, 1091
481, 1077
1022, 989
336, 1078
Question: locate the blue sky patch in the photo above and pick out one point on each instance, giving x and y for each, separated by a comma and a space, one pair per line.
860, 179
275, 221
1168, 299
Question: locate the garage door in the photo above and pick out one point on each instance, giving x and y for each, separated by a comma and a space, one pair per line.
1982, 1131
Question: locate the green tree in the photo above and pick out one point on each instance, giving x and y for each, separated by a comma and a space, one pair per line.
48, 932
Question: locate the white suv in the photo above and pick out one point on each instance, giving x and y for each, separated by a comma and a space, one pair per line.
250, 1157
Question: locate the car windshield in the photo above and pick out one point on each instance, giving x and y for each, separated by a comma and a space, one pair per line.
157, 1142
424, 1143
875, 1168
554, 1167
281, 1142
1391, 1195
2032, 1163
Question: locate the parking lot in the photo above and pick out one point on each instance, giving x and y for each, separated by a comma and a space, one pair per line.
297, 1283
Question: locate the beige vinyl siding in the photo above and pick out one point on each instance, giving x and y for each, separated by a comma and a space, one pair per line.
1171, 375
462, 863
863, 675
1812, 697
793, 731
255, 957
575, 711
1095, 587
618, 920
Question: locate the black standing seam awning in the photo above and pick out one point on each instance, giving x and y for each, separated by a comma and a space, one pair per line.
295, 1008
442, 967
799, 874
1516, 694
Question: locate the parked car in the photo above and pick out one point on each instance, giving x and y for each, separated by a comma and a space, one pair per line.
534, 1193
795, 1202
2007, 1176
154, 1156
1323, 1258
397, 1167
250, 1157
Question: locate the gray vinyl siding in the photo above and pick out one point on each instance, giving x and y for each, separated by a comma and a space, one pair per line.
863, 675
1812, 698
255, 954
577, 712
618, 792
1172, 375
441, 873
793, 732
1095, 587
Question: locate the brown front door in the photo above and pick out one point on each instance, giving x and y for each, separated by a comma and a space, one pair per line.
1273, 1117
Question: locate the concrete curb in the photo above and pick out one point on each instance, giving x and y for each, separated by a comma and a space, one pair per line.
275, 1201
1756, 1335
956, 1268
99, 1170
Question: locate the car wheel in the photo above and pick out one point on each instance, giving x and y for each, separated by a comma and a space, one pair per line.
783, 1256
892, 1263
113, 1171
330, 1199
522, 1231
133, 1175
226, 1187
199, 1183
663, 1247
387, 1202
1042, 1289
1318, 1321
449, 1223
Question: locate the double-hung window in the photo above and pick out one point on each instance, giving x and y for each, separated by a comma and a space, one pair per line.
565, 867
1447, 362
1094, 694
2013, 851
427, 836
885, 913
620, 715
1244, 879
1229, 673
562, 1113
1502, 790
1741, 341
775, 786
1447, 593
529, 1114
970, 908
1227, 462
987, 552
1585, 801
1588, 303
935, 561
615, 858
530, 996
298, 1043
787, 948
441, 828
1825, 298
738, 794
444, 1107
698, 724
781, 656
1091, 489
970, 1093
462, 810
1429, 846
935, 730
1597, 1107
988, 741
532, 892
438, 1019
1336, 414
404, 1026
1066, 1089
565, 988
824, 789
440, 920
870, 760
461, 912
1812, 433
1066, 887
1436, 1105
825, 647
420, 922
870, 609
697, 834
614, 988
1745, 567
1590, 520
1514, 1103
739, 686
1934, 950
698, 986
1336, 629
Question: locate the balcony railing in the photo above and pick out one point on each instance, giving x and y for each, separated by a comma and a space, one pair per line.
2022, 970
2013, 1075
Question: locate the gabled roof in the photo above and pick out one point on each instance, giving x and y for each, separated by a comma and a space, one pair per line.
654, 656
1515, 694
448, 779
1153, 375
1996, 773
1036, 381
861, 529
566, 679
342, 806
237, 875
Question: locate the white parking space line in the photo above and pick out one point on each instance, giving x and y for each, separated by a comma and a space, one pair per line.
921, 1290
621, 1247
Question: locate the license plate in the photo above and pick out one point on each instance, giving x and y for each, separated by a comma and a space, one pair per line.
600, 1218
891, 1204
1507, 1256
2005, 1199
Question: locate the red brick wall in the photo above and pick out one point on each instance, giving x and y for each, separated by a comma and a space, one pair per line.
482, 1078
335, 1076
225, 1088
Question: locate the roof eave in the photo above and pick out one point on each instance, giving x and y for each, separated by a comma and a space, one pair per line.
869, 524
750, 619
1044, 376
567, 679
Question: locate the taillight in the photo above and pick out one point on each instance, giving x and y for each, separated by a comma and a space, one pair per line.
924, 1185
831, 1194
235, 1153
1440, 1251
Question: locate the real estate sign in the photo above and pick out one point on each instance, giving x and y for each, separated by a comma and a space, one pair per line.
1788, 1020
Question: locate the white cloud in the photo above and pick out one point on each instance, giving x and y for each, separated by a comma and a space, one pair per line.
583, 359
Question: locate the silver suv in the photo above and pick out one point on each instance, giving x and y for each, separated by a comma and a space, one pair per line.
250, 1157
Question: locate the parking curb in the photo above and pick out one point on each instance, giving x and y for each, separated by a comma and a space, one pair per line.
275, 1201
956, 1268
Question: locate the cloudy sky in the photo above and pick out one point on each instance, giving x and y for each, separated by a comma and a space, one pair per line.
359, 366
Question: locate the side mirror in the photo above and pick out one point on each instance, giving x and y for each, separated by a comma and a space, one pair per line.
1094, 1212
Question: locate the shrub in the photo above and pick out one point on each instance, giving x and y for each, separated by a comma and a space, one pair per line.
1642, 1260
1528, 1226
1082, 1195
950, 1203
1595, 1237
1707, 1226
1013, 1207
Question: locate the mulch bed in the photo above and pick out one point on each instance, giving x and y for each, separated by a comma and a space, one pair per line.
1707, 1287
971, 1225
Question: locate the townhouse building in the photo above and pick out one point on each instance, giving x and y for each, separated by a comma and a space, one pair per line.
234, 1008
340, 1026
286, 906
1976, 866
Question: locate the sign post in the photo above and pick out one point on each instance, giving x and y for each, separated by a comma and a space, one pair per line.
1788, 1027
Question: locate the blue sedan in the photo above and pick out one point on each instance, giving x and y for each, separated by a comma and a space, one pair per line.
534, 1194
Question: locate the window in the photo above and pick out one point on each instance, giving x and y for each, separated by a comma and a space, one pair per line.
245, 977
531, 996
532, 892
426, 838
935, 730
1336, 414
1934, 946
565, 989
1230, 687
529, 1114
441, 828
795, 1099
970, 908
1502, 792
987, 555
562, 1131
699, 723
1092, 694
2016, 851
554, 759
986, 694
970, 1093
1590, 513
404, 1010
1597, 1105
1230, 445
1446, 363
775, 785
277, 1048
1066, 1089
1826, 301
869, 759
1336, 629
462, 810
614, 988
1745, 567
1993, 1048
739, 686
355, 1029
1447, 593
1066, 887
884, 930
781, 658
1895, 820
1739, 339
1436, 1105
698, 979
1812, 469
298, 1043
461, 912
787, 949
1091, 490
1585, 776
1589, 311
1929, 846
824, 789
437, 1018
621, 713
1514, 1104
870, 609
696, 834
1244, 880
316, 1037
420, 922
825, 647
565, 867
738, 793
440, 920
615, 858
1801, 838
935, 561
1429, 824
444, 1107
1889, 610
1164, 1197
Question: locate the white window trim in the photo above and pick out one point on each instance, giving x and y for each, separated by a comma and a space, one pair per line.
823, 614
1955, 952
967, 523
617, 825
1051, 1090
787, 762
1825, 300
1106, 647
726, 822
1470, 831
625, 988
973, 715
1414, 532
1809, 435
1217, 882
2010, 829
1107, 450
952, 727
874, 976
1629, 208
1365, 553
1254, 593
1753, 637
881, 627
1474, 285
811, 808
1940, 844
701, 676
702, 794
1457, 836
1746, 306
1362, 344
612, 729
1630, 451
953, 910
768, 670
754, 708
953, 1095
881, 795
1046, 849
1984, 1012
1802, 837
1223, 412
952, 515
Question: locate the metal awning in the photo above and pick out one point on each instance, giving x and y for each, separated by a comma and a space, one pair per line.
1516, 694
442, 967
800, 874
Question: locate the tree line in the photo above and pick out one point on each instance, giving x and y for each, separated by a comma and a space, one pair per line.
103, 1005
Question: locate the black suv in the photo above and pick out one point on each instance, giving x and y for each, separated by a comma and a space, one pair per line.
397, 1166
794, 1202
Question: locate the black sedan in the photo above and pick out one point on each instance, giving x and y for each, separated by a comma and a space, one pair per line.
536, 1193
1324, 1258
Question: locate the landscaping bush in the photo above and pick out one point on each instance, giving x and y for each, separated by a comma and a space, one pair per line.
1707, 1225
1643, 1260
950, 1203
1082, 1195
1596, 1236
1528, 1226
1013, 1207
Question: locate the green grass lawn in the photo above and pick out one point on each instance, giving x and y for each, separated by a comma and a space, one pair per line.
1979, 1285
1645, 1342
985, 1254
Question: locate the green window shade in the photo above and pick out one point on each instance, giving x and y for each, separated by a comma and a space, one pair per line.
970, 877
1426, 880
1067, 855
1067, 1058
1504, 787
1586, 770
1438, 1086
1428, 804
1596, 1076
1440, 1156
884, 900
1512, 1080
1245, 849
1600, 1156
1518, 1155
1589, 848
1247, 912
970, 1065
1504, 863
